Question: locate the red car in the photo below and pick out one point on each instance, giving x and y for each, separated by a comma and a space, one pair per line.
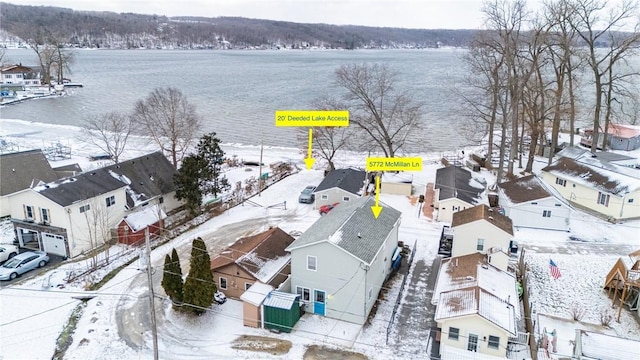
324, 209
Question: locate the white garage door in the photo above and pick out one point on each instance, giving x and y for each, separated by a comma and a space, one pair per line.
53, 244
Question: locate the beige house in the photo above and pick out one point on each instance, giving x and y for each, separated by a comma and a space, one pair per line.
476, 308
480, 229
597, 186
455, 190
258, 258
252, 300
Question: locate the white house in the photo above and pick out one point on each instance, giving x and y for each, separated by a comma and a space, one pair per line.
476, 308
70, 216
530, 203
340, 186
15, 176
600, 187
480, 229
18, 74
455, 189
340, 263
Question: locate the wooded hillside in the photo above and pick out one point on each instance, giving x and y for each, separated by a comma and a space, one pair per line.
127, 30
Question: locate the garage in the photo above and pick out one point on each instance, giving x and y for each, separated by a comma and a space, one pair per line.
54, 244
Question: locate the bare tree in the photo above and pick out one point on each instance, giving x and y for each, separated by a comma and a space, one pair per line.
98, 220
109, 132
171, 120
327, 140
387, 116
596, 23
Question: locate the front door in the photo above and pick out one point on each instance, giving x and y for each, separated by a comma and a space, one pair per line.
318, 300
472, 345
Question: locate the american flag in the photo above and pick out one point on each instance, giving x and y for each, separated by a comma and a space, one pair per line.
553, 268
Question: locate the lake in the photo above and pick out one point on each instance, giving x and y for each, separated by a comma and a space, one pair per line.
237, 92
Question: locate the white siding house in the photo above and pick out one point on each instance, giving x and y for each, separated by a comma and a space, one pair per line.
597, 186
69, 216
340, 263
340, 186
476, 308
455, 190
531, 204
480, 229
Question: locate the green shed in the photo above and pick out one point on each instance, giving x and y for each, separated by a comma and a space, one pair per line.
281, 311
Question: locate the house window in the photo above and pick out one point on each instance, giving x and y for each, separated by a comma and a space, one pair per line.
161, 200
324, 197
472, 345
494, 342
603, 199
480, 245
558, 205
454, 333
312, 263
45, 216
534, 203
304, 293
111, 200
561, 182
247, 286
85, 208
28, 212
223, 283
345, 198
546, 213
8, 76
630, 201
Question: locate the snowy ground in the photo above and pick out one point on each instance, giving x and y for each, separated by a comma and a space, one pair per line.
33, 312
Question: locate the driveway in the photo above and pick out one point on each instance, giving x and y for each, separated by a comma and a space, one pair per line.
54, 260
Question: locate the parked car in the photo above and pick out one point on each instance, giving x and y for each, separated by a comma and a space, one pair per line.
307, 196
7, 252
22, 263
324, 209
220, 297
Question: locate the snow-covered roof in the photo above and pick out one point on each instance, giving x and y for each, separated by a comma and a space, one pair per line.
601, 175
401, 177
280, 300
482, 212
148, 215
256, 294
475, 300
262, 255
457, 182
599, 346
474, 270
353, 228
524, 189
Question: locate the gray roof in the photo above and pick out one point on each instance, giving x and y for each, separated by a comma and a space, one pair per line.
578, 153
351, 180
144, 177
22, 170
148, 176
455, 181
80, 187
352, 227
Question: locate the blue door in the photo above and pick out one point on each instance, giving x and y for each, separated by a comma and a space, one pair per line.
318, 297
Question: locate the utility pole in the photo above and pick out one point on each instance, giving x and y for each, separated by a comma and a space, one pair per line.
154, 328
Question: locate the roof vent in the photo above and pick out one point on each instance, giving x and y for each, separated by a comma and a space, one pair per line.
485, 266
359, 236
490, 210
490, 218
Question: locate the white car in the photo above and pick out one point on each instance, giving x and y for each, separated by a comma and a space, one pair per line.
7, 252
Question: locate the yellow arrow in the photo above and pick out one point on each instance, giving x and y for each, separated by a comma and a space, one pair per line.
377, 208
309, 160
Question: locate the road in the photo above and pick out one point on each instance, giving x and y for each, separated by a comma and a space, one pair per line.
134, 315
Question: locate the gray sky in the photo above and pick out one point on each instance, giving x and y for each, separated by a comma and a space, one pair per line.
426, 14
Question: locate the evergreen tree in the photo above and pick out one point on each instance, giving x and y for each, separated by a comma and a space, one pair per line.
187, 182
212, 181
177, 272
201, 174
172, 278
199, 288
